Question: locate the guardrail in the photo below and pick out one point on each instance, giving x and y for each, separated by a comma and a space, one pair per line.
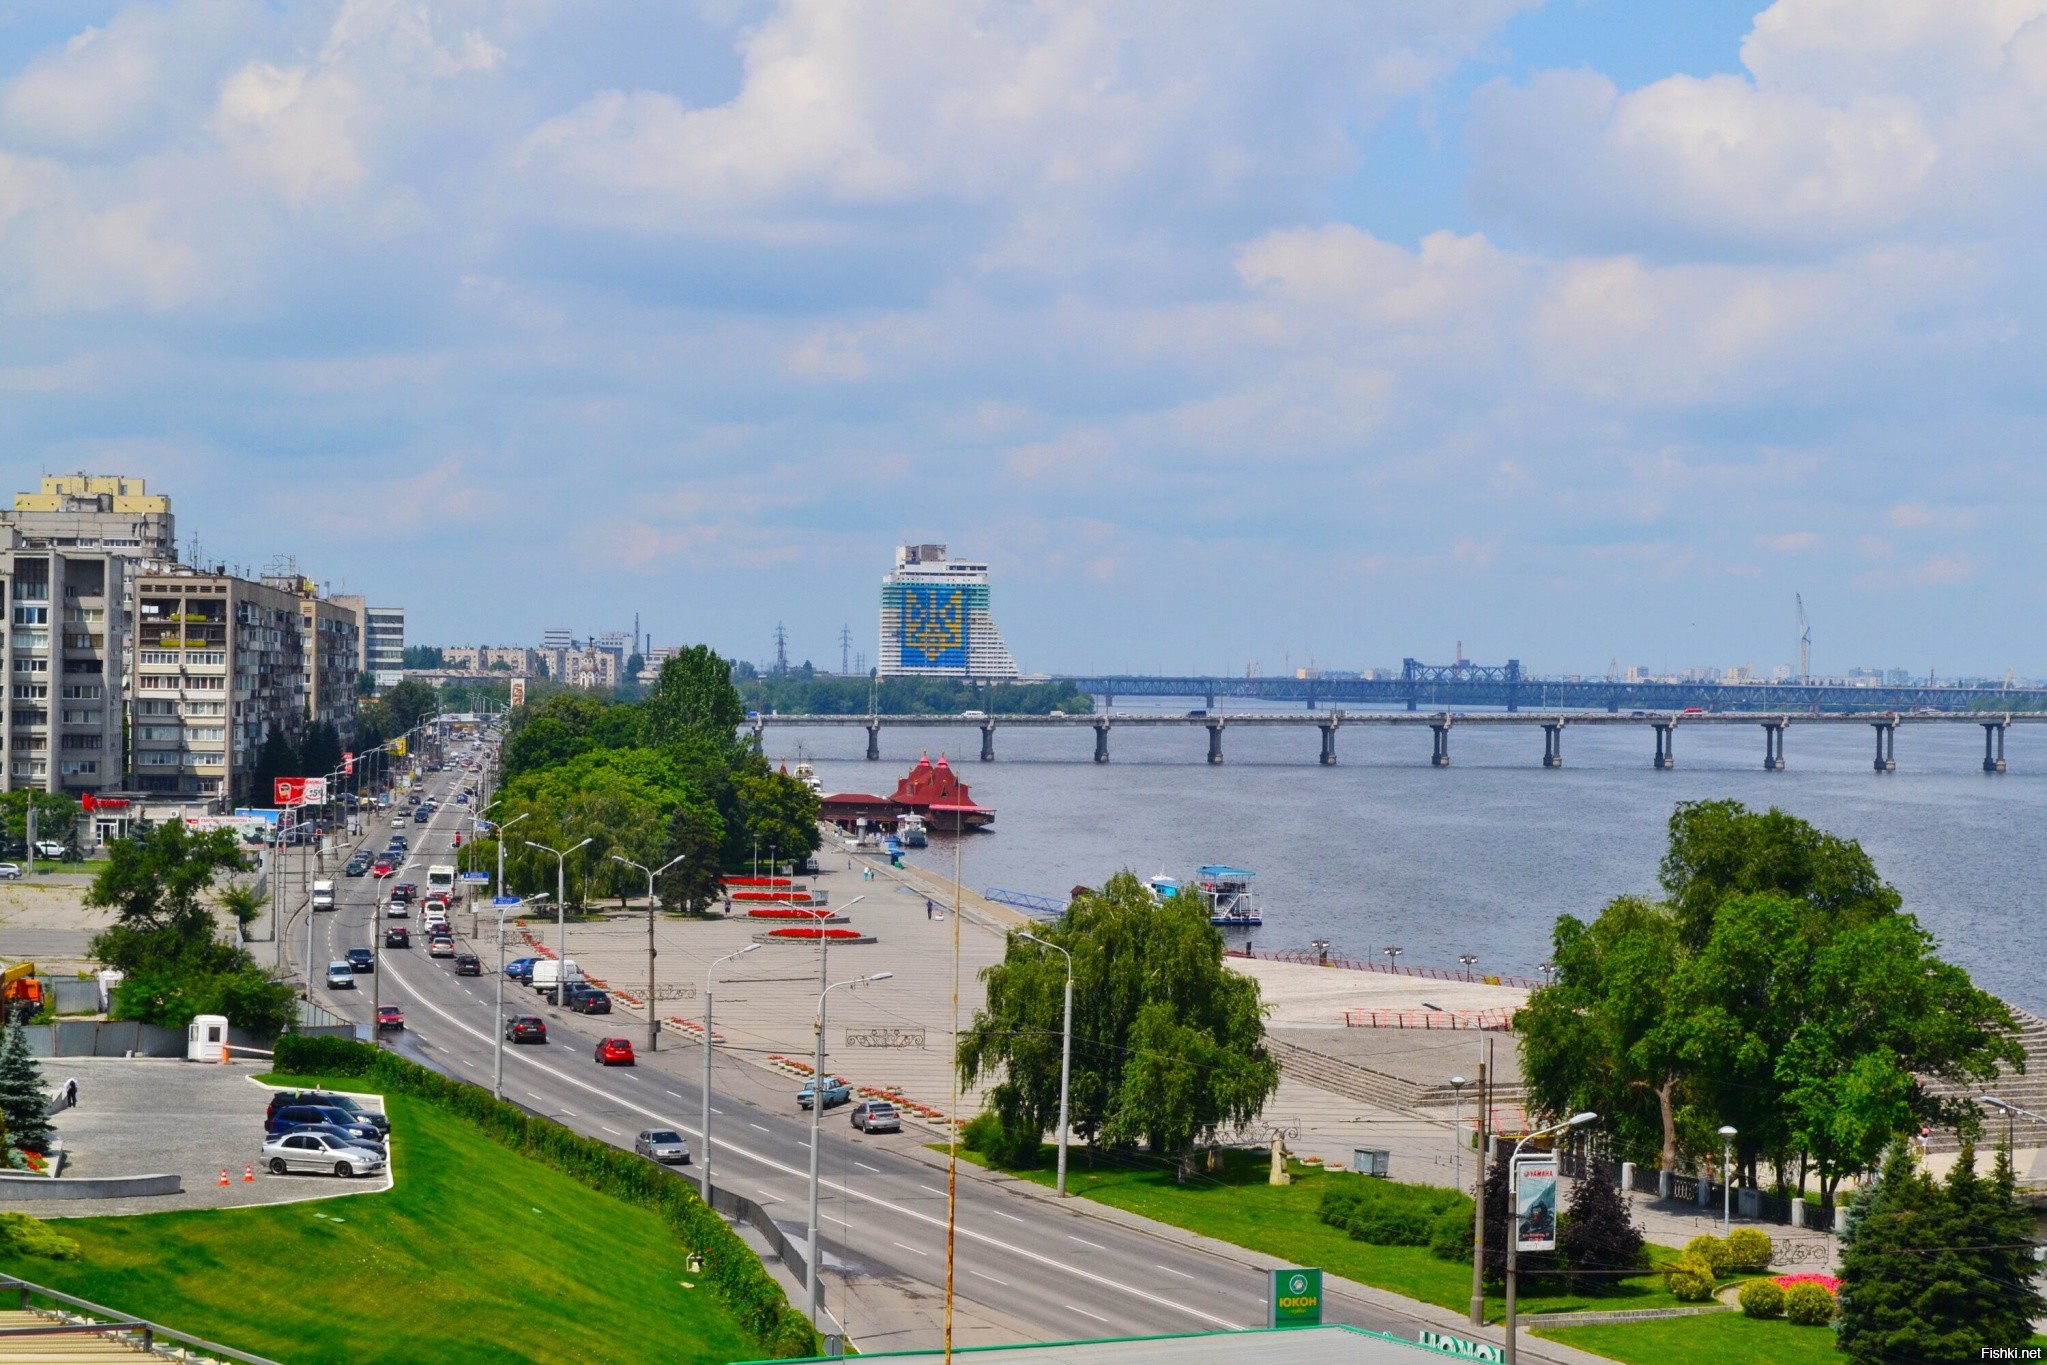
104, 1322
1500, 1021
1306, 959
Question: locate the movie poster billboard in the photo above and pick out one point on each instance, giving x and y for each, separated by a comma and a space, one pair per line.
1535, 1203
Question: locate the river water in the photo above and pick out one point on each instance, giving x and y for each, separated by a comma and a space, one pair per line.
1480, 857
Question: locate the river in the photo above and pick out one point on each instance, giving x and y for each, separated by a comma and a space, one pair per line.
1480, 857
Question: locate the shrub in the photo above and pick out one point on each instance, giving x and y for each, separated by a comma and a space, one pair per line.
1761, 1299
1005, 1145
1450, 1234
1599, 1231
1387, 1214
26, 1236
1809, 1305
1712, 1249
1690, 1278
1748, 1249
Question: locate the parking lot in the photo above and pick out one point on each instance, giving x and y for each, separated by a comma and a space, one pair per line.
148, 1117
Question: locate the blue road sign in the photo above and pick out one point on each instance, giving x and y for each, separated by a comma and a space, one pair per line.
476, 876
504, 900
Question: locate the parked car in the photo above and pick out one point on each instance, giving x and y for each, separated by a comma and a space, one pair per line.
615, 1052
319, 1152
468, 964
340, 977
49, 848
520, 969
664, 1145
10, 872
589, 1000
526, 1028
362, 960
877, 1116
325, 1099
398, 936
439, 946
287, 1117
836, 1092
390, 1016
353, 1137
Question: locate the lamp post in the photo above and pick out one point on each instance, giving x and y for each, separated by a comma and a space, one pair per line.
1393, 958
1514, 1216
1065, 1052
561, 915
2011, 1111
1468, 960
653, 1025
497, 1075
498, 833
814, 1257
704, 1127
1457, 1084
1727, 1132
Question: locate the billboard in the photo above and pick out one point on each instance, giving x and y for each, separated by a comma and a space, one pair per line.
1535, 1202
518, 693
934, 626
301, 791
1293, 1297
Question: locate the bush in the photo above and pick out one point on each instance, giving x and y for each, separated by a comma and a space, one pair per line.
1450, 1234
733, 1272
1690, 1278
1761, 1299
25, 1236
1005, 1145
1390, 1215
1809, 1305
1748, 1249
1713, 1250
1599, 1232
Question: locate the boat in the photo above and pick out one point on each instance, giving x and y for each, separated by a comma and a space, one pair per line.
1227, 892
910, 829
807, 775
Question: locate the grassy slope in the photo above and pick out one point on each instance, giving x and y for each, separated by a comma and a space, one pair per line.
1238, 1206
1716, 1339
477, 1255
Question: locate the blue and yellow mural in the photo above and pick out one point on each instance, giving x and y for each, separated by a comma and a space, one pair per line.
934, 626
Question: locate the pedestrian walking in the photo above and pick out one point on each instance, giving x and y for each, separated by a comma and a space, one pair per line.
71, 1093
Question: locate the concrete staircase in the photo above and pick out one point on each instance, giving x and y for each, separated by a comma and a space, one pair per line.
1364, 1084
2027, 1090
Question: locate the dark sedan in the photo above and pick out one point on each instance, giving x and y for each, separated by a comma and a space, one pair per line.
526, 1028
361, 960
398, 936
589, 1000
468, 964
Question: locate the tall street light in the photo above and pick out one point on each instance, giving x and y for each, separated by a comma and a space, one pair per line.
816, 1257
1457, 1084
704, 1125
2011, 1111
653, 1025
498, 833
561, 915
1514, 1215
497, 1075
1727, 1132
1065, 1052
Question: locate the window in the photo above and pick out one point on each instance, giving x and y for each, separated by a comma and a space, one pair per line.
30, 767
80, 716
153, 682
207, 658
76, 742
156, 758
210, 734
31, 665
31, 616
73, 767
31, 691
84, 666
83, 691
80, 640
34, 715
158, 732
206, 684
151, 707
158, 656
31, 639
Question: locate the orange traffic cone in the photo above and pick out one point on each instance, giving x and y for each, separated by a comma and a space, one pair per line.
248, 1173
223, 1175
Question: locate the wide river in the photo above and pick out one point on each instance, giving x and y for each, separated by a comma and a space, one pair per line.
1480, 857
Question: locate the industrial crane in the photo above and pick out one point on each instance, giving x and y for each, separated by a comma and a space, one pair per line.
1804, 641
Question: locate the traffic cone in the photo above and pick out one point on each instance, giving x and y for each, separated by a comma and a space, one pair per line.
223, 1176
248, 1173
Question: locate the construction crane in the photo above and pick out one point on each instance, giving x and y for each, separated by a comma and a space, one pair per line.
1804, 641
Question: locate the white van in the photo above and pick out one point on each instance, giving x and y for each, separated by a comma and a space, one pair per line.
547, 972
323, 895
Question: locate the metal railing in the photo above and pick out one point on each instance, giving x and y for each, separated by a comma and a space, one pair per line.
85, 1318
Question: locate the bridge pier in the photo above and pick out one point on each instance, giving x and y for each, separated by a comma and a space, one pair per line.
1773, 746
1328, 729
1553, 744
988, 742
1886, 745
1101, 741
1441, 757
1208, 700
873, 741
1666, 745
1215, 741
1993, 764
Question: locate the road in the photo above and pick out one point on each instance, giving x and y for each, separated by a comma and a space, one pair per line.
1024, 1267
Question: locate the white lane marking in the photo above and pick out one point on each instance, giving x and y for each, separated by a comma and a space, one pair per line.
847, 1192
840, 1221
673, 1095
1010, 1216
1170, 1271
572, 1113
756, 1125
912, 1250
1084, 1313
865, 1167
543, 1101
1003, 1283
926, 1188
1071, 1238
609, 1129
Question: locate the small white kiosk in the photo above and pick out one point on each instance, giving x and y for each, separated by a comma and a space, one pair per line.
206, 1039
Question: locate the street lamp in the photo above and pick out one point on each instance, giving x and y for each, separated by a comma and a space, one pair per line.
1727, 1132
814, 1258
561, 915
497, 1076
1514, 1214
1457, 1084
498, 833
704, 1133
1469, 960
2011, 1111
1392, 958
1065, 1051
653, 1027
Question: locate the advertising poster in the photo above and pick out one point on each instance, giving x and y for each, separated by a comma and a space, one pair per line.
1535, 1203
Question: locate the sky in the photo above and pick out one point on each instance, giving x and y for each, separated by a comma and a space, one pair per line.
1309, 333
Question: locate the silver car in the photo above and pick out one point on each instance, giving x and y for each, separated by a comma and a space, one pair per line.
340, 977
877, 1116
319, 1152
663, 1145
9, 871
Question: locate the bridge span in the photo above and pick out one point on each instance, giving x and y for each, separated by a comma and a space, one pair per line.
1663, 726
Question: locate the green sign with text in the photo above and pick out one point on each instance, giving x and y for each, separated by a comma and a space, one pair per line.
1294, 1299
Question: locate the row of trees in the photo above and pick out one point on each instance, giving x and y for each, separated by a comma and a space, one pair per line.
1778, 987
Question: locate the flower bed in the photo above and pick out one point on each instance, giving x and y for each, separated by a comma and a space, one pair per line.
811, 935
1830, 1283
819, 913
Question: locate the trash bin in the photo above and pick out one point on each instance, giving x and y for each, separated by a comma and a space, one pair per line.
206, 1039
1371, 1161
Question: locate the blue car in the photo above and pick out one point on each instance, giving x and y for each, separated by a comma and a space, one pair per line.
836, 1092
292, 1116
520, 969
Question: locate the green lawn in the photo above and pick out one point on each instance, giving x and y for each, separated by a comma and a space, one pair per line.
479, 1254
1239, 1206
1714, 1339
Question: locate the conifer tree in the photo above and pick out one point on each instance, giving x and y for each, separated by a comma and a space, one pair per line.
24, 1103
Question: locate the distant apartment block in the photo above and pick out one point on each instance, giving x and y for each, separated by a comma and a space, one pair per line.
588, 668
62, 656
557, 637
518, 661
384, 645
97, 512
651, 661
619, 642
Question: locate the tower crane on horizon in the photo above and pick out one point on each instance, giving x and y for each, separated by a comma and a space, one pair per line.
1804, 640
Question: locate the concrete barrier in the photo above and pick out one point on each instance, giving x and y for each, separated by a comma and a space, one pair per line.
25, 1188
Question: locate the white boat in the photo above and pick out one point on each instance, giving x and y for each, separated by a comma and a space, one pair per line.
910, 830
1227, 890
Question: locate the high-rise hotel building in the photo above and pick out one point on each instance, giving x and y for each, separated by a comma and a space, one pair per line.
935, 621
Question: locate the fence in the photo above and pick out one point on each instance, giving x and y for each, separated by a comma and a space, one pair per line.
1348, 964
1500, 1021
65, 1316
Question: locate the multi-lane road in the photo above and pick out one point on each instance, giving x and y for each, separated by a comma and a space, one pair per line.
1025, 1267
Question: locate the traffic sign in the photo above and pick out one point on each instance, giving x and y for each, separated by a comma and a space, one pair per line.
476, 876
1294, 1298
504, 900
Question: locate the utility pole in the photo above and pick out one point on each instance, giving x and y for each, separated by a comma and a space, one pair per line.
845, 649
781, 651
1485, 1104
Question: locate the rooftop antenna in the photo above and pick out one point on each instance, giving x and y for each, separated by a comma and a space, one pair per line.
1804, 641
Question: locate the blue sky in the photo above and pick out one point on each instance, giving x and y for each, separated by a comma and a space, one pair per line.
1319, 332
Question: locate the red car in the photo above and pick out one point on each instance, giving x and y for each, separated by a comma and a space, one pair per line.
382, 869
390, 1016
615, 1052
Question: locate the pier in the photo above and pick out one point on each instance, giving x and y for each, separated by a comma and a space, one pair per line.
1663, 727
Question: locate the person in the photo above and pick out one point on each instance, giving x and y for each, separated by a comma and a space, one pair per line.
71, 1093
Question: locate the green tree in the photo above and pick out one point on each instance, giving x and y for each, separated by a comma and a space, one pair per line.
276, 759
694, 696
244, 902
56, 815
777, 810
155, 881
24, 1101
1720, 849
695, 835
320, 750
424, 656
1169, 1045
409, 703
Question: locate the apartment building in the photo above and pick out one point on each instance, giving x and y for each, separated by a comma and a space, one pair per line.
517, 660
384, 645
97, 512
589, 668
219, 664
62, 656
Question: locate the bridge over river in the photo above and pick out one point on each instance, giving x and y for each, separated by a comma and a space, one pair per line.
1662, 727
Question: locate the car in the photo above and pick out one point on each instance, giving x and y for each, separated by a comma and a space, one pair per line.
397, 910
397, 822
422, 815
615, 1052
399, 842
664, 1145
438, 946
319, 1152
352, 1136
520, 969
355, 869
362, 960
589, 1000
286, 1117
340, 977
461, 798
398, 936
383, 869
390, 1016
836, 1092
468, 964
526, 1028
405, 891
10, 872
327, 1099
877, 1116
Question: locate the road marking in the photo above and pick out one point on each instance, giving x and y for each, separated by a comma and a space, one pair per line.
1083, 1241
1003, 1283
572, 1113
840, 1221
846, 1191
1170, 1271
923, 1187
609, 1129
1084, 1313
865, 1167
913, 1251
764, 1130
673, 1095
537, 1097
